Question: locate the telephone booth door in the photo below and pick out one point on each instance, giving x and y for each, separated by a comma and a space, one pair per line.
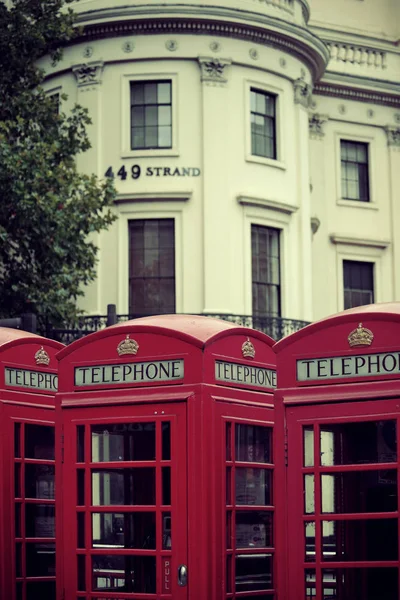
126, 523
343, 511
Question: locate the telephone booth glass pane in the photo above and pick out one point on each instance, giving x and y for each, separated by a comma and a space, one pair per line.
352, 494
34, 509
249, 520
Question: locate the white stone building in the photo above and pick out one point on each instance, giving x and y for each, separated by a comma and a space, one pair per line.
255, 146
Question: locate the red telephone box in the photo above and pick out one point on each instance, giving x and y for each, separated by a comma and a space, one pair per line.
339, 398
168, 474
28, 382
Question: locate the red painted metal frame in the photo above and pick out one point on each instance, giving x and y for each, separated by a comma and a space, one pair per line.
200, 342
25, 406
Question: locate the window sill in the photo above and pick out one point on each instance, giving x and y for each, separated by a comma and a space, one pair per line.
269, 162
357, 204
153, 152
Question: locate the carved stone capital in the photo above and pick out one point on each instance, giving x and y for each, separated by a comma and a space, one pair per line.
393, 136
302, 92
214, 70
315, 223
316, 122
88, 73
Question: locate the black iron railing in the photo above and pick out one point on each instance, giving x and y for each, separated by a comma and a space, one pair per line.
275, 327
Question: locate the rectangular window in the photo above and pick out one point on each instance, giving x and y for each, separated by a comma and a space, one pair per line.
266, 284
151, 267
151, 115
263, 128
358, 283
354, 162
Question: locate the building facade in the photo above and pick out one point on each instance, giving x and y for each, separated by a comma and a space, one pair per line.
255, 147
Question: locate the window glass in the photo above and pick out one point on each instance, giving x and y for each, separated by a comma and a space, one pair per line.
124, 442
262, 120
358, 283
151, 115
265, 253
151, 267
360, 540
124, 573
359, 492
253, 486
253, 572
354, 170
123, 487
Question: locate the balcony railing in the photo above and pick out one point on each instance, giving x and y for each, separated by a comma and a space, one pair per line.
275, 327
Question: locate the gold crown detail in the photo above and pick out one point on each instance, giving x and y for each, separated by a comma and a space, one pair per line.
248, 349
127, 346
41, 357
360, 337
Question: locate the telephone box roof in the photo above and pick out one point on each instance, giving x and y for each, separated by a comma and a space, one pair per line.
385, 311
11, 337
195, 329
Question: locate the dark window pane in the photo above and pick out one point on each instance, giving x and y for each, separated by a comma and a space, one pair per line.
43, 590
124, 530
253, 443
123, 487
253, 529
166, 532
39, 481
17, 520
354, 170
150, 93
123, 442
80, 443
253, 572
151, 267
137, 93
17, 480
360, 540
80, 522
39, 520
17, 440
40, 560
360, 584
358, 443
80, 485
358, 281
81, 566
359, 492
39, 441
262, 119
124, 573
253, 486
166, 485
166, 440
265, 250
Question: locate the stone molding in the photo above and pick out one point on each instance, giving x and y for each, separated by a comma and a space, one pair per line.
214, 70
277, 205
302, 92
361, 95
393, 136
88, 73
356, 241
315, 223
316, 122
295, 40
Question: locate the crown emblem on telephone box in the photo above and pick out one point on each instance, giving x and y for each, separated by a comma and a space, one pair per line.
360, 337
248, 349
127, 346
41, 357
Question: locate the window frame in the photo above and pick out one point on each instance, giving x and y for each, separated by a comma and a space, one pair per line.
135, 209
144, 106
367, 198
370, 140
126, 125
279, 160
267, 284
373, 269
158, 277
265, 94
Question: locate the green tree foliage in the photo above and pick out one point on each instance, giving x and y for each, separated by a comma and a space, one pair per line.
47, 208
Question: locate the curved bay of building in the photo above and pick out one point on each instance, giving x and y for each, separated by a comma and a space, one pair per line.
255, 150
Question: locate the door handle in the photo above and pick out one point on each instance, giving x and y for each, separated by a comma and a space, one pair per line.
182, 575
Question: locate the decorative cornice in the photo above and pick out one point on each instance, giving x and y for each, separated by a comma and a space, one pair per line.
393, 136
214, 70
153, 197
315, 122
361, 95
277, 205
302, 92
355, 241
88, 73
295, 40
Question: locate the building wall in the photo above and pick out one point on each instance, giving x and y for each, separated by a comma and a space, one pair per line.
356, 96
